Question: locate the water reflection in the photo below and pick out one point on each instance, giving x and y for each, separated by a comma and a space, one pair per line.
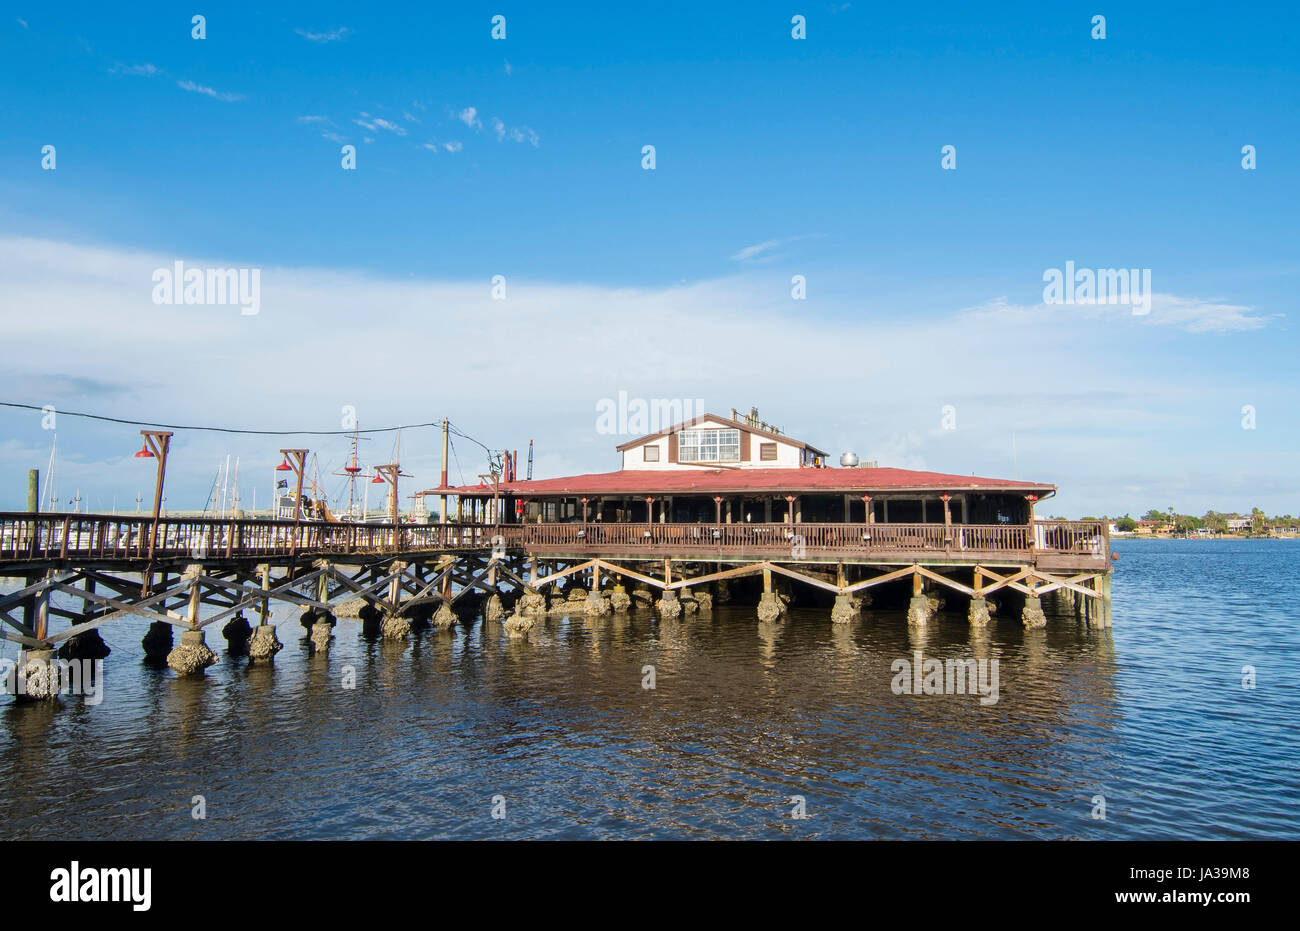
742, 717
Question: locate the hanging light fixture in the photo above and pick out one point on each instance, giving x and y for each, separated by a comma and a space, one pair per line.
144, 451
284, 466
377, 480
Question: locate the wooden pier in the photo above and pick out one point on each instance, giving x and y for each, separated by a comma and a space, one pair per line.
404, 571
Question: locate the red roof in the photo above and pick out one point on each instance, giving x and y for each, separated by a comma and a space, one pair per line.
743, 481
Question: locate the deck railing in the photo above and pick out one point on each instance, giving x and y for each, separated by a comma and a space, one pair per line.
44, 537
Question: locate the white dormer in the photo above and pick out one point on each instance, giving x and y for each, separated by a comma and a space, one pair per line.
713, 442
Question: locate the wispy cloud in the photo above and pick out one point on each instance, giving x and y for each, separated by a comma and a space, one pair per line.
145, 71
23, 23
334, 35
208, 92
375, 123
762, 252
514, 133
325, 120
1190, 314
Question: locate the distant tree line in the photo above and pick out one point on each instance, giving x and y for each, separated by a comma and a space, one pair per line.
1213, 521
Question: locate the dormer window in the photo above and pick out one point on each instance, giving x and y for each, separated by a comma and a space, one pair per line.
708, 446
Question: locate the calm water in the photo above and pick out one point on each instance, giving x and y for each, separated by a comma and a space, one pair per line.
1152, 715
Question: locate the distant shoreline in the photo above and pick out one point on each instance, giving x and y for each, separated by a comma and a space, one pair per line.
1214, 539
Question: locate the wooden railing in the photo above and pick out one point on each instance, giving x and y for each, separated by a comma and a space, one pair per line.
48, 537
791, 541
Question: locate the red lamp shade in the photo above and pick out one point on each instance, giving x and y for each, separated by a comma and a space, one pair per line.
284, 466
377, 480
144, 452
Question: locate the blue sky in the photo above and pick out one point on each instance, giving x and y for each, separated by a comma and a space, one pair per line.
775, 157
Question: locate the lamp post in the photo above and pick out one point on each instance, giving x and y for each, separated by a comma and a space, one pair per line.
156, 445
389, 474
295, 460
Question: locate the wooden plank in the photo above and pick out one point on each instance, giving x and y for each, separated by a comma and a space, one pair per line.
792, 574
559, 575
878, 580
944, 580
630, 573
713, 577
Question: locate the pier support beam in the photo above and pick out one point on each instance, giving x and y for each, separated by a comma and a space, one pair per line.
395, 627
493, 610
35, 677
370, 618
668, 605
1099, 608
722, 591
263, 644
85, 645
531, 601
770, 607
157, 642
978, 614
596, 606
1032, 616
322, 632
237, 630
192, 656
519, 624
845, 610
920, 610
619, 599
444, 618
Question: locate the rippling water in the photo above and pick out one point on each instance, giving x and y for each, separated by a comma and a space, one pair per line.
1151, 715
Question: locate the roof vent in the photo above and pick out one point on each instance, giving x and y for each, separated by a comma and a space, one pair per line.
849, 460
870, 464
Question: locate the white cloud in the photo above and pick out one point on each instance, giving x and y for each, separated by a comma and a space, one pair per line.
854, 375
469, 116
208, 92
333, 35
315, 119
23, 23
452, 146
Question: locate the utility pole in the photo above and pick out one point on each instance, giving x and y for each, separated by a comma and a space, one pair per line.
443, 483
